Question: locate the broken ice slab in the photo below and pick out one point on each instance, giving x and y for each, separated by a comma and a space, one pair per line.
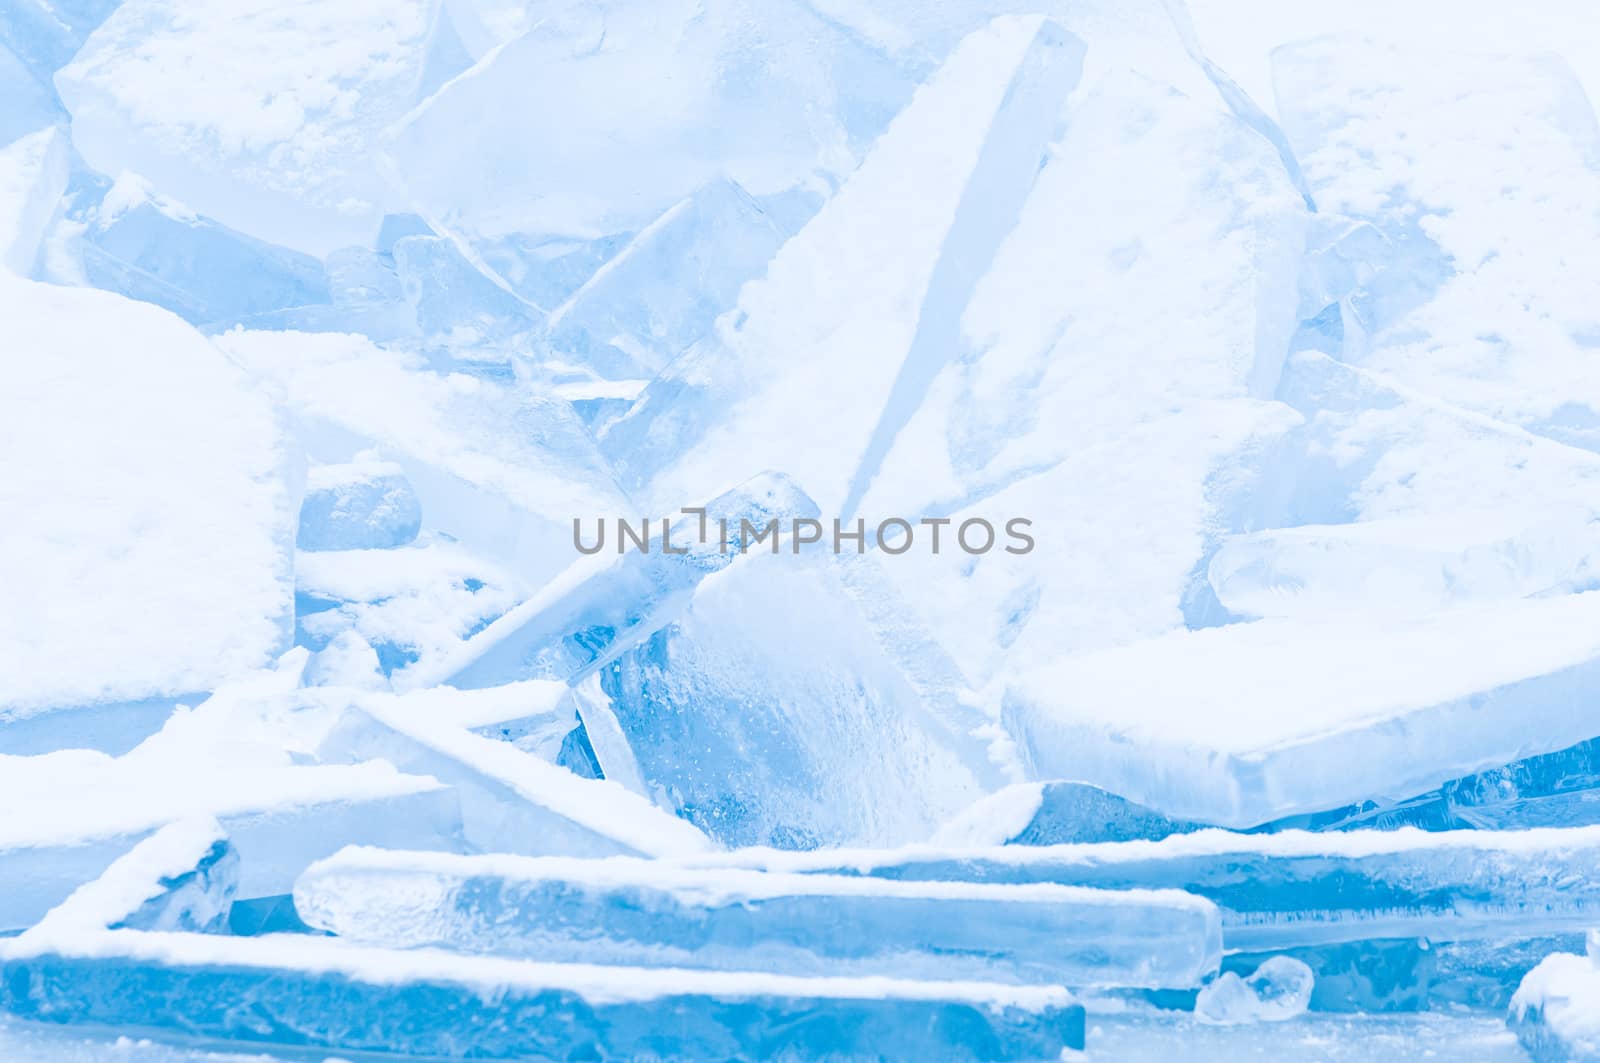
182, 877
500, 469
603, 604
801, 112
148, 247
1150, 1035
1481, 169
511, 801
1407, 564
325, 994
1243, 724
367, 505
64, 817
1289, 889
1556, 1010
26, 105
301, 171
1056, 813
663, 291
631, 911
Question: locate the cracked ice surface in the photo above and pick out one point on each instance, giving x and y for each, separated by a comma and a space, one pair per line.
325, 327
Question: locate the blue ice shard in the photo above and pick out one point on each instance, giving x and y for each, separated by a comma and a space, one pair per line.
637, 912
1290, 889
358, 506
457, 305
511, 800
610, 601
663, 290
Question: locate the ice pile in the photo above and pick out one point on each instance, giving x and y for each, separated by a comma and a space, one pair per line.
763, 528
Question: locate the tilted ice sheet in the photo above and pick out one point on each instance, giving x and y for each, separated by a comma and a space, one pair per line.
1484, 171
280, 141
622, 910
1240, 724
327, 994
33, 174
1293, 888
135, 592
503, 471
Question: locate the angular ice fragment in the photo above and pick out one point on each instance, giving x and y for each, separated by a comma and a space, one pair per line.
329, 995
1243, 724
148, 247
1556, 1010
510, 800
1291, 889
174, 590
768, 95
663, 291
280, 145
44, 34
1279, 989
182, 877
366, 505
602, 605
33, 175
501, 470
455, 303
638, 912
1055, 813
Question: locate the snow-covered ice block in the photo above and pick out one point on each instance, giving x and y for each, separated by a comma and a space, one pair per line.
182, 877
511, 800
325, 994
414, 604
1290, 889
640, 912
138, 593
1056, 813
67, 815
501, 470
147, 246
1279, 989
1556, 1010
603, 604
44, 34
1406, 564
358, 506
1483, 170
280, 142
1243, 724
769, 94
33, 175
663, 291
